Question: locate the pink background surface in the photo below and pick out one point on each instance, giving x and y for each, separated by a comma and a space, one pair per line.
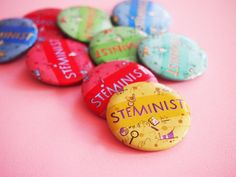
49, 132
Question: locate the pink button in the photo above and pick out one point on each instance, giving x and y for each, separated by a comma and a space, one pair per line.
108, 78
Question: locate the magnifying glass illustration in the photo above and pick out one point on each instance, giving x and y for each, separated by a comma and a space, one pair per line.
134, 134
130, 103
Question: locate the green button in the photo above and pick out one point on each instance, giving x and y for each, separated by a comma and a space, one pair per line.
118, 43
82, 23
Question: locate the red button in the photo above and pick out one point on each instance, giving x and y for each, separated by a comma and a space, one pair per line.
46, 21
108, 78
59, 61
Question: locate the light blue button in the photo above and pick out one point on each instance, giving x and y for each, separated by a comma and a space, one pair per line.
142, 14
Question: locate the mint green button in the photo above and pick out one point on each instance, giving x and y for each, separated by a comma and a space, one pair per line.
118, 43
82, 23
172, 56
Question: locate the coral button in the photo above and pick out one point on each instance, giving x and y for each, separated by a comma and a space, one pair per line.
59, 62
148, 116
46, 21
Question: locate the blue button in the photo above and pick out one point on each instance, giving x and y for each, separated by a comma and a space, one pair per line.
17, 35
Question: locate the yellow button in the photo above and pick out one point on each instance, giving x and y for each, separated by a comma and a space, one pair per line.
148, 116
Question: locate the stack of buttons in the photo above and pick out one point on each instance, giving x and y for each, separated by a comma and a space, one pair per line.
80, 45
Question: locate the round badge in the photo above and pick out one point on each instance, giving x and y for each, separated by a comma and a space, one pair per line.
46, 21
82, 23
108, 78
59, 61
17, 35
148, 116
119, 43
144, 15
173, 57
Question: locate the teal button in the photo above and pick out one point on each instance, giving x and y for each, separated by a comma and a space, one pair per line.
173, 57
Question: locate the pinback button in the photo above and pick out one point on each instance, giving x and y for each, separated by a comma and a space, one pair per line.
82, 23
144, 15
17, 35
173, 57
119, 43
59, 62
46, 21
108, 78
148, 116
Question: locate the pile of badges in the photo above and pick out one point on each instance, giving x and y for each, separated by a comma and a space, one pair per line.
117, 59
